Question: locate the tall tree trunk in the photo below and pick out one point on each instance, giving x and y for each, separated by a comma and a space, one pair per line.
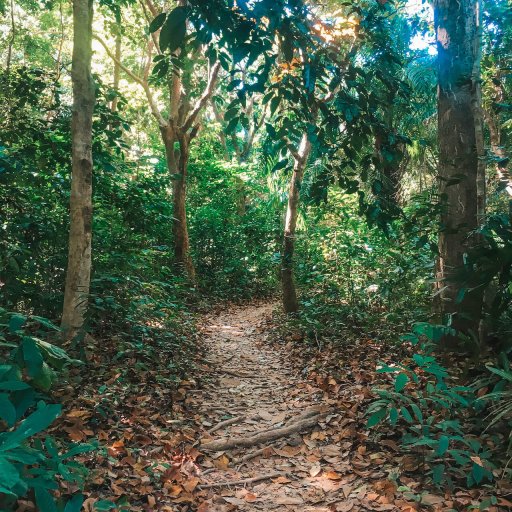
290, 302
177, 165
180, 229
117, 66
80, 234
58, 60
457, 24
11, 39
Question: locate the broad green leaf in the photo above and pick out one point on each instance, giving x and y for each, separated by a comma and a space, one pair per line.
13, 385
477, 472
16, 323
55, 356
376, 417
75, 503
38, 421
417, 412
45, 322
444, 442
406, 414
45, 378
104, 505
438, 473
9, 474
400, 382
7, 410
32, 356
157, 22
45, 501
25, 455
233, 123
174, 29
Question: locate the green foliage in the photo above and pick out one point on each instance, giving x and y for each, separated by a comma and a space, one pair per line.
433, 411
30, 463
500, 398
234, 231
354, 278
174, 29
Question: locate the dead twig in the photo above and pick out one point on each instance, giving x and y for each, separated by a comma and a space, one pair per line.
253, 455
226, 423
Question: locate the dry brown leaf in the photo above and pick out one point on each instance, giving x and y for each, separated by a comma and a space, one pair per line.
221, 463
345, 507
174, 490
289, 500
204, 507
265, 415
288, 451
431, 499
190, 484
250, 497
281, 480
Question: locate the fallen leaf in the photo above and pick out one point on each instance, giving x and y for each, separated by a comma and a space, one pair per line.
315, 470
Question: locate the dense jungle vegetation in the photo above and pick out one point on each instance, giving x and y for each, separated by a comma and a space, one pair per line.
344, 163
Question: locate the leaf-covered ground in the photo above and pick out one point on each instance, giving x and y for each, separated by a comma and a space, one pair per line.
256, 430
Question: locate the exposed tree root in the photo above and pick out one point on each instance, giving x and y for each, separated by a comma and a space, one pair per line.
263, 437
242, 482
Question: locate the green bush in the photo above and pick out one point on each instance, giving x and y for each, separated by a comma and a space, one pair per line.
32, 464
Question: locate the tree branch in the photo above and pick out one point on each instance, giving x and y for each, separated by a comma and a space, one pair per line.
212, 80
143, 83
291, 148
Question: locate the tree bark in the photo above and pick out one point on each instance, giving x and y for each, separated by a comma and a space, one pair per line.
290, 302
117, 67
177, 165
80, 234
457, 24
11, 39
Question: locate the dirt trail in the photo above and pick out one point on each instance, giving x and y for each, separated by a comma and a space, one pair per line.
254, 389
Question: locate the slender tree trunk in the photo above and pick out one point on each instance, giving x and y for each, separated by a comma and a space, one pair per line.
499, 151
80, 233
457, 25
117, 67
11, 39
58, 60
177, 165
180, 229
389, 154
290, 302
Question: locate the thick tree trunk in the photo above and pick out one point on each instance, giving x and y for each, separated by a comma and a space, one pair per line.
80, 233
290, 302
458, 27
177, 164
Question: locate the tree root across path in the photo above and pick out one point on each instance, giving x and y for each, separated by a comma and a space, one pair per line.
265, 436
244, 481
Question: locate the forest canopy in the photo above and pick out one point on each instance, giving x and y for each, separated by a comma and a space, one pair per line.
251, 251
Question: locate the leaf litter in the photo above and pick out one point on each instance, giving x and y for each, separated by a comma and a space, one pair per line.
156, 431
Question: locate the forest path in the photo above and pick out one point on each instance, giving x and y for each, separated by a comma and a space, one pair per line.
253, 389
